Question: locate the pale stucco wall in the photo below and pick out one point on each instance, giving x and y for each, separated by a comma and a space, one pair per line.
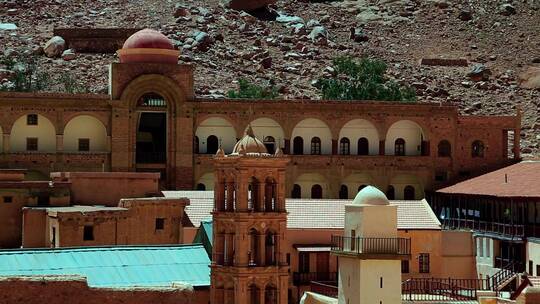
85, 126
308, 180
263, 127
355, 180
44, 131
309, 128
359, 128
533, 254
410, 131
400, 181
219, 127
207, 180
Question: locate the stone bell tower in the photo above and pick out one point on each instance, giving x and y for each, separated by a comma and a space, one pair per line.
369, 252
249, 225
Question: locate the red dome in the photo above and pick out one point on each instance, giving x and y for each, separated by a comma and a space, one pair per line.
148, 39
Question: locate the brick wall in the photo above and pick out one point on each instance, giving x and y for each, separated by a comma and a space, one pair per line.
74, 290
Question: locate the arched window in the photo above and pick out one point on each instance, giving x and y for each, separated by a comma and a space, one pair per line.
363, 146
212, 144
196, 145
253, 195
391, 193
361, 187
270, 294
270, 195
477, 149
296, 191
271, 254
409, 193
201, 187
316, 191
298, 145
399, 147
254, 294
344, 146
444, 149
315, 146
270, 144
253, 254
343, 192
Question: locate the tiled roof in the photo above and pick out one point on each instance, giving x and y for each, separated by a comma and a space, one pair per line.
114, 267
201, 203
519, 180
316, 213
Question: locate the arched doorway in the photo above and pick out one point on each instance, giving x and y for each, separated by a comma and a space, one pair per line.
363, 146
298, 145
316, 191
409, 193
296, 191
212, 144
151, 141
343, 192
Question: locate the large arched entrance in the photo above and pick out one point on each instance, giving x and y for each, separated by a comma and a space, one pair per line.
151, 138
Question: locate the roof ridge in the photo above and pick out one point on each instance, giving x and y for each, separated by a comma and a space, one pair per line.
98, 248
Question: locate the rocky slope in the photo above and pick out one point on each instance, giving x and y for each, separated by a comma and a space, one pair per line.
502, 37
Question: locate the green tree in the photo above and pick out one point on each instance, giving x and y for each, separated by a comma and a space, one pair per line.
253, 91
362, 80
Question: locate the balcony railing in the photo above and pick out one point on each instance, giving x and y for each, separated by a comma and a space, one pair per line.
368, 245
448, 290
512, 230
305, 278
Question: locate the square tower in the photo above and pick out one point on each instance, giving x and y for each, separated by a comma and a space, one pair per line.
250, 222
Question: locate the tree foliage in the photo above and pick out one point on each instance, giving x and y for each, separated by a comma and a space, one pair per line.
253, 91
362, 80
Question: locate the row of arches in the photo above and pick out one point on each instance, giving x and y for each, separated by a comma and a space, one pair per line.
314, 185
35, 132
266, 294
261, 195
311, 136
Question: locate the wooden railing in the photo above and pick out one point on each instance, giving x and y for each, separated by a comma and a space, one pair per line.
485, 226
434, 289
368, 245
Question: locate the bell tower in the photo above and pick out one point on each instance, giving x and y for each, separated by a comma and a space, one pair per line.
249, 225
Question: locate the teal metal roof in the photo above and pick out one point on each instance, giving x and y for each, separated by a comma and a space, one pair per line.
114, 267
204, 236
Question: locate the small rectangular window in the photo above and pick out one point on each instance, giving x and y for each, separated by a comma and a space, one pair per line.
88, 234
303, 262
84, 144
441, 176
423, 263
488, 247
8, 199
404, 266
160, 223
31, 144
32, 119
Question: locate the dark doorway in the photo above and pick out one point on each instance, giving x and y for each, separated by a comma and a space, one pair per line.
409, 193
296, 191
151, 138
212, 144
316, 191
298, 145
343, 192
363, 146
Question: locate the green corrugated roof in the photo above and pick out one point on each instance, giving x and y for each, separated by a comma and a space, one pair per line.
204, 236
207, 226
114, 267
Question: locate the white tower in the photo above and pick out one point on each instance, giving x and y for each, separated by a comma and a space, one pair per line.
369, 252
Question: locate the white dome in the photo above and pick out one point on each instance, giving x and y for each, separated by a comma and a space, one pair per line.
370, 196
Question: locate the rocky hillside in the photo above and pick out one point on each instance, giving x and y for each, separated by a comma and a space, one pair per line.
293, 43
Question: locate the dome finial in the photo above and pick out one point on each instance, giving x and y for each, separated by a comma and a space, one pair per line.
220, 152
249, 131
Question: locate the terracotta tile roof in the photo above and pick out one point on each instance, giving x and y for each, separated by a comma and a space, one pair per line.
519, 180
315, 213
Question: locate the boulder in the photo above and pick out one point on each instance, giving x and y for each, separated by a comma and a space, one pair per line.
479, 72
247, 5
54, 47
68, 55
530, 79
318, 32
507, 9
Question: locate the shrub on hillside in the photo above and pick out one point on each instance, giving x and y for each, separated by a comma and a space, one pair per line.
253, 91
362, 80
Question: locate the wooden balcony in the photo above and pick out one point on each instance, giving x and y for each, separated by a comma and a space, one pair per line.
372, 248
